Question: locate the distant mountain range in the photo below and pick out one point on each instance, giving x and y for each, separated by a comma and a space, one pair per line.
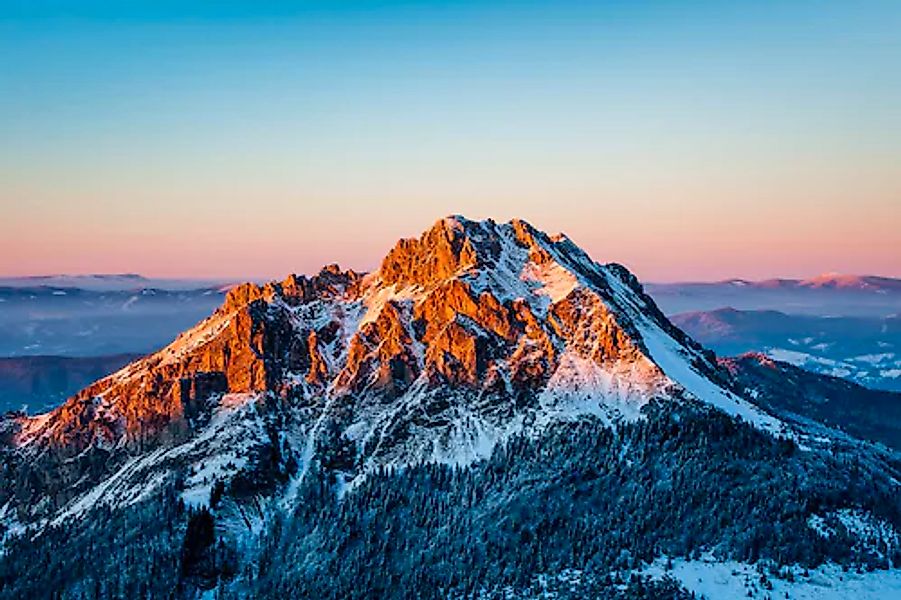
824, 295
490, 414
867, 283
109, 282
866, 350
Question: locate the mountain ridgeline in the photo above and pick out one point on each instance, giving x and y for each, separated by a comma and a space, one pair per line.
487, 412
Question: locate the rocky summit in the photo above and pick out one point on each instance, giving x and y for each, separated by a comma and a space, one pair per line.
472, 339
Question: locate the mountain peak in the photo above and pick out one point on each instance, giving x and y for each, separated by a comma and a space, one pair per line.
459, 247
440, 252
466, 335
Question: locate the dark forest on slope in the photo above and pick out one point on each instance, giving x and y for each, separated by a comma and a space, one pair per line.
582, 496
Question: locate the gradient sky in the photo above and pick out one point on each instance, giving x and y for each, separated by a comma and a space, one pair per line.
687, 140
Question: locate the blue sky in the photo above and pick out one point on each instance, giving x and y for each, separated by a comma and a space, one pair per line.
685, 139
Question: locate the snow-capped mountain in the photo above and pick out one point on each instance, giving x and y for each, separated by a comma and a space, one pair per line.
473, 337
463, 337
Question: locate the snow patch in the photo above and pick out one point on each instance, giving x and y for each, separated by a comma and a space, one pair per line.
666, 352
874, 358
554, 281
375, 300
580, 386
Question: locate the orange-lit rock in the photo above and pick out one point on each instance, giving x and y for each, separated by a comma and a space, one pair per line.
442, 251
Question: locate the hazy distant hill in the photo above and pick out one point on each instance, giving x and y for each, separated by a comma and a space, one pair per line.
66, 321
108, 282
39, 383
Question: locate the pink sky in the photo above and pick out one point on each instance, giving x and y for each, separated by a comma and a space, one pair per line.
658, 242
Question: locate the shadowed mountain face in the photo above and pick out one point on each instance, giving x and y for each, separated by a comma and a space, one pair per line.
795, 393
542, 389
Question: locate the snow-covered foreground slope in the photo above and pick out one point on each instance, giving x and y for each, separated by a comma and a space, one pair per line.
727, 580
733, 580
